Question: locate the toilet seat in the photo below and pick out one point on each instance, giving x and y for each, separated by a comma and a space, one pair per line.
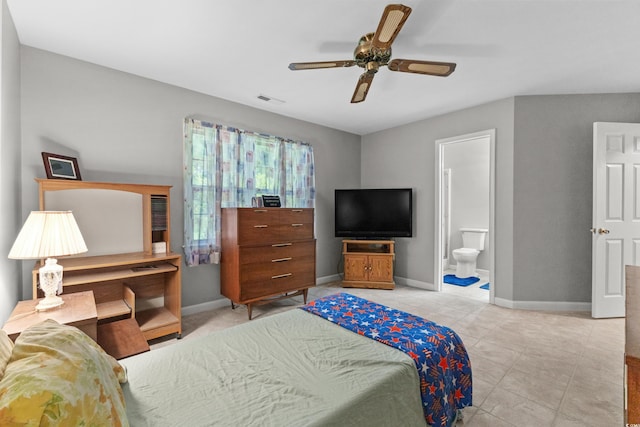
466, 251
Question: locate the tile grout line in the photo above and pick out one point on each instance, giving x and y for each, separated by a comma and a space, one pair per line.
569, 383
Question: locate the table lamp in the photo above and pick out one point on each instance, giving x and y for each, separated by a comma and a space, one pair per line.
49, 234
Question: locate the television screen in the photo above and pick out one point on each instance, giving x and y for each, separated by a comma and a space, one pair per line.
373, 213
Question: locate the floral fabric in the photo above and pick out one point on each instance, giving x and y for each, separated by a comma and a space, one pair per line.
6, 347
58, 375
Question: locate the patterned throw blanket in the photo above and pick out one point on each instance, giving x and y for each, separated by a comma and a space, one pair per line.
438, 352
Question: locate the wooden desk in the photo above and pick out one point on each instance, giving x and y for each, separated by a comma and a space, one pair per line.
79, 310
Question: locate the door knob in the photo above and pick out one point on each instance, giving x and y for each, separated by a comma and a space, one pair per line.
603, 231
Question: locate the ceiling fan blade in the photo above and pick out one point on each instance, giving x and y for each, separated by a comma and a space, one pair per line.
431, 68
326, 64
390, 25
362, 88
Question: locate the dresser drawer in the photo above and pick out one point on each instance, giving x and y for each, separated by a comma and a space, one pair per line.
269, 270
271, 279
257, 226
277, 252
258, 234
294, 231
296, 224
293, 215
248, 217
274, 225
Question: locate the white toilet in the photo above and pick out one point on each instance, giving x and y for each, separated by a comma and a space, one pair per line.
473, 241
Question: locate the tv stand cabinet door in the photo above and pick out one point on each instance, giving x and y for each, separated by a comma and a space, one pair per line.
380, 268
356, 267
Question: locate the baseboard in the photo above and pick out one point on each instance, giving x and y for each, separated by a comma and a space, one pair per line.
205, 306
544, 305
521, 305
414, 283
225, 302
328, 279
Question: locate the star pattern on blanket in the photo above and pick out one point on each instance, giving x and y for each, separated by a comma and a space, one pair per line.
437, 351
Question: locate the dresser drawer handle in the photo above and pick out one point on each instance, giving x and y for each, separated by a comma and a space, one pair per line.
261, 211
281, 259
280, 245
297, 225
280, 276
296, 210
260, 226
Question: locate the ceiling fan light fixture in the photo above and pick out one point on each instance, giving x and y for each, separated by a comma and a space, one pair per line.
372, 67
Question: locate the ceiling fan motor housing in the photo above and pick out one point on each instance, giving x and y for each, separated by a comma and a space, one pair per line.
369, 57
374, 51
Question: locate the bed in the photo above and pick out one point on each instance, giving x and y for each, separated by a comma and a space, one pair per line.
303, 367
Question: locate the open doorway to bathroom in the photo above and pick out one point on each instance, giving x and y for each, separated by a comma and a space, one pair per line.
465, 189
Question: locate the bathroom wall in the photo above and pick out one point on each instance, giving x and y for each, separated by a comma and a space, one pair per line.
469, 162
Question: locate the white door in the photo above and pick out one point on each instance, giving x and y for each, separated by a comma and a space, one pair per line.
616, 213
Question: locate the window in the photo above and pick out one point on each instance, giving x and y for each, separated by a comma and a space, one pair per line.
226, 167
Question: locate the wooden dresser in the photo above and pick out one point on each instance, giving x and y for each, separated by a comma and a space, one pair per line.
267, 254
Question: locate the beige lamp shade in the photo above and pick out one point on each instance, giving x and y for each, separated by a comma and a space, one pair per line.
48, 234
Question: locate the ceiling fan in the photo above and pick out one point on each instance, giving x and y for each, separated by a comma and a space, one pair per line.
374, 51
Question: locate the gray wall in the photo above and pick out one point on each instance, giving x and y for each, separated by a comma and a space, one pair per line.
470, 163
405, 157
125, 128
543, 188
11, 219
553, 162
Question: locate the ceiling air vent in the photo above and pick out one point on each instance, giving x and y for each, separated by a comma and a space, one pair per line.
270, 99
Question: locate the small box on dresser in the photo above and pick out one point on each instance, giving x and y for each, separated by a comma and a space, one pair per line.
267, 254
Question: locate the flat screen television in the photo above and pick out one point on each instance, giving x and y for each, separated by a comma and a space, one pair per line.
373, 213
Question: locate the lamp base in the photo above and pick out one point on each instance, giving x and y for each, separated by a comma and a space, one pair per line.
49, 302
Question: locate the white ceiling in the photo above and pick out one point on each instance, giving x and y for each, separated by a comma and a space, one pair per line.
239, 49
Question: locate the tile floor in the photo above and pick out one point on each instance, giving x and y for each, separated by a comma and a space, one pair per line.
529, 368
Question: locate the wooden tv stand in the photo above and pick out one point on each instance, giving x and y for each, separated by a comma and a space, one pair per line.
368, 264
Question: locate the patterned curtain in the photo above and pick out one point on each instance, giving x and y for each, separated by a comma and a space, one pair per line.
226, 167
298, 189
202, 188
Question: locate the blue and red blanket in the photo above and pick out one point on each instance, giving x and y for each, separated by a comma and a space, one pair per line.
439, 354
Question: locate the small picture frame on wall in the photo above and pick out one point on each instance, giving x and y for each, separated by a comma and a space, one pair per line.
61, 167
